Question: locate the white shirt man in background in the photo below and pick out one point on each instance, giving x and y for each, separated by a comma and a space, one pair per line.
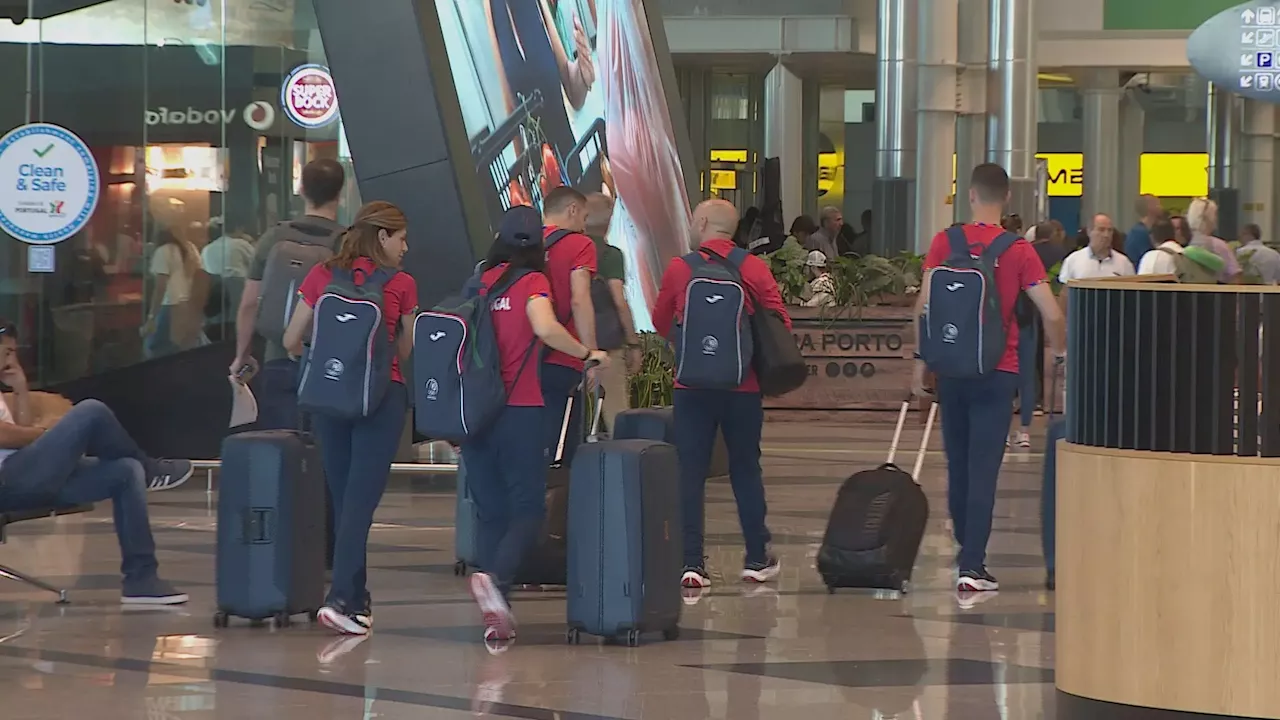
1098, 258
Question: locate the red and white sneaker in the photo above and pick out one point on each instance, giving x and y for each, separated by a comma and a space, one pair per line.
499, 623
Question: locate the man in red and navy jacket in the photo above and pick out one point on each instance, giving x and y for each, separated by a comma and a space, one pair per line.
738, 413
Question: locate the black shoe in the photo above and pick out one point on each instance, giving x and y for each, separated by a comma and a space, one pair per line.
977, 581
1051, 580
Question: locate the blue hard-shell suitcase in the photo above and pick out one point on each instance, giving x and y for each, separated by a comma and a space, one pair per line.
624, 541
271, 518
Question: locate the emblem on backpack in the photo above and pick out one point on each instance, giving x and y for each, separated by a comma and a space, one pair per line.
955, 286
710, 345
949, 333
333, 369
433, 388
436, 336
713, 299
344, 317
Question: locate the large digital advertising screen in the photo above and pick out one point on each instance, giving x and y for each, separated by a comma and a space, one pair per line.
567, 92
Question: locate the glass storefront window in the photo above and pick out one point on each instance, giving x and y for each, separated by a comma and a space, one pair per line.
180, 105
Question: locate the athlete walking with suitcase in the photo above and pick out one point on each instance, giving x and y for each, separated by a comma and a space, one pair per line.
970, 342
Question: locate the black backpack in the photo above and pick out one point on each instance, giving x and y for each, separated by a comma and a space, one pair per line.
610, 334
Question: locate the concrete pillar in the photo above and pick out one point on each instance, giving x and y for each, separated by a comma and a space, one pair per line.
1223, 130
784, 135
1132, 133
936, 118
1012, 95
1257, 171
893, 192
1102, 94
973, 47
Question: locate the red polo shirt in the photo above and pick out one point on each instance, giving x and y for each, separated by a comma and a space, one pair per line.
571, 252
669, 307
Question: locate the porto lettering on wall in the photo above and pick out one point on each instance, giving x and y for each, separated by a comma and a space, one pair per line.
862, 364
1237, 49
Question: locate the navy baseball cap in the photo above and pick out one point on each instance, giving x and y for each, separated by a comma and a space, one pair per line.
521, 227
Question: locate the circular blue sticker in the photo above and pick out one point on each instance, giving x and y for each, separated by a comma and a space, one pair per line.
49, 183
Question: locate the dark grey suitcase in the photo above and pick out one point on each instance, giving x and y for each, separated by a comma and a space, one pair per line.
624, 541
877, 523
271, 517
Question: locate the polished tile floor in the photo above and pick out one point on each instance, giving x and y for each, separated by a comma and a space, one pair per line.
770, 653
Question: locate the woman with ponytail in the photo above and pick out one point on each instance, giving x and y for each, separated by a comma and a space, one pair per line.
357, 453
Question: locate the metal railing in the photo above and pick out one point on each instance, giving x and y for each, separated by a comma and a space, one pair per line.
399, 468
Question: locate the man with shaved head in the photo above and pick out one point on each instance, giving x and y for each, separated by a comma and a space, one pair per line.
738, 412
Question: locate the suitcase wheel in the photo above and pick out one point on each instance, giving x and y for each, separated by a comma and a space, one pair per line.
671, 633
631, 638
280, 620
573, 636
831, 589
221, 619
905, 587
460, 568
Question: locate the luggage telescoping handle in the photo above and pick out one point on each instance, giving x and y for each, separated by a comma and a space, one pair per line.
568, 410
924, 440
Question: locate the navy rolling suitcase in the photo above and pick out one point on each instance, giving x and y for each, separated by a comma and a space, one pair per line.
878, 522
271, 517
658, 423
625, 541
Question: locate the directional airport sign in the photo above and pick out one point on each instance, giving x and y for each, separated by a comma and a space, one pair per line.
1239, 49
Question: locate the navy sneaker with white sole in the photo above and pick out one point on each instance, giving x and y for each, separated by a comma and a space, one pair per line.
761, 572
168, 474
150, 591
977, 581
334, 617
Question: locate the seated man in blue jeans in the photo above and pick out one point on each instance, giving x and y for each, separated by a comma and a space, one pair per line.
84, 457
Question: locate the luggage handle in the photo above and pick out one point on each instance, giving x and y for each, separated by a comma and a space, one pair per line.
924, 441
568, 411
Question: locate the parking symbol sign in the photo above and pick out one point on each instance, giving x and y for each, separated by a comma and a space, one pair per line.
1264, 59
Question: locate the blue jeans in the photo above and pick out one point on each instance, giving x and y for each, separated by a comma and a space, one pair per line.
277, 395
1028, 372
559, 383
740, 418
507, 477
54, 471
357, 461
975, 423
1048, 495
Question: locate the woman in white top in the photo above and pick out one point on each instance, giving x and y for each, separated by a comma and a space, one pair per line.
176, 316
1163, 260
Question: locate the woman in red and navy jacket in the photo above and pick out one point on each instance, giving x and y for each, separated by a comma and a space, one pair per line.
738, 413
507, 463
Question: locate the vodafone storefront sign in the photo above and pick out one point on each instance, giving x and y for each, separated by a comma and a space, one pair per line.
309, 97
258, 115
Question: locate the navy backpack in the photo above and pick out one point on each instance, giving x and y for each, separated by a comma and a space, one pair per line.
963, 334
457, 367
713, 341
347, 367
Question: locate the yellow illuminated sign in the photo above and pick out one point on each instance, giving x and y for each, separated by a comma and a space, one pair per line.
729, 156
724, 180
1160, 174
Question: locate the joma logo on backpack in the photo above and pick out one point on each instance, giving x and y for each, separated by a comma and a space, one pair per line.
712, 300
955, 286
436, 335
344, 317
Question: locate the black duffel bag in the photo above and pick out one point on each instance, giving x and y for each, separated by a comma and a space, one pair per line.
777, 361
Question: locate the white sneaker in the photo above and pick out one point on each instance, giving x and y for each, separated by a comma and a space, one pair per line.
499, 623
1022, 439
